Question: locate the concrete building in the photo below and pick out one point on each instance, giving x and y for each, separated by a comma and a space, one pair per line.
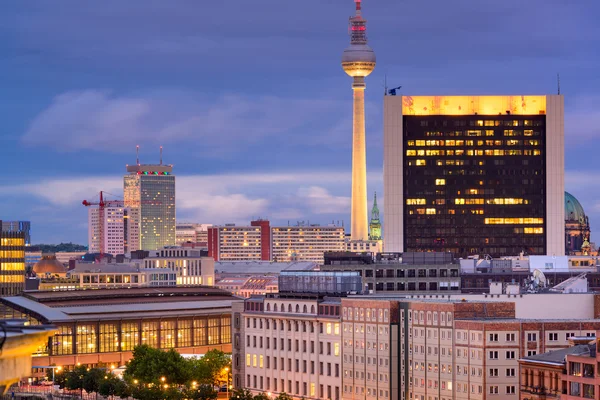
455, 168
190, 266
410, 274
580, 377
115, 225
149, 194
115, 275
545, 376
188, 232
19, 226
12, 263
306, 243
262, 242
358, 61
103, 326
297, 352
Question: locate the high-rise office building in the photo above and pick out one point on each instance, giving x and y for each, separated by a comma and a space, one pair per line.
474, 174
12, 263
116, 221
18, 226
149, 193
358, 61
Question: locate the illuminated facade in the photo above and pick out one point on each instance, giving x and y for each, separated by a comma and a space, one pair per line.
12, 263
288, 343
358, 61
116, 221
19, 226
474, 174
149, 194
103, 326
190, 267
262, 242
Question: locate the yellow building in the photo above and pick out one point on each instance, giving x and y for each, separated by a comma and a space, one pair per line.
12, 263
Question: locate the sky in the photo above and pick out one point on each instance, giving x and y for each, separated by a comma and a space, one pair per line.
249, 100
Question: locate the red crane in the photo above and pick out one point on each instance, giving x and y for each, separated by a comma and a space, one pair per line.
109, 203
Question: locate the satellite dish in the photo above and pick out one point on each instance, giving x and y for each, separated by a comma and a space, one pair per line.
539, 277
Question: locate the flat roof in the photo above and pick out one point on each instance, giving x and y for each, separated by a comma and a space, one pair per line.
483, 106
110, 304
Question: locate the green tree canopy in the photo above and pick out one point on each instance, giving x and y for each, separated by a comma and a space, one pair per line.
150, 365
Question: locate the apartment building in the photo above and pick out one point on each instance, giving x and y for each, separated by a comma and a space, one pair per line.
292, 341
262, 242
370, 340
459, 349
190, 266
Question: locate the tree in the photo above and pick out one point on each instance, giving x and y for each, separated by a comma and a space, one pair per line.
241, 394
110, 385
150, 365
261, 396
92, 379
283, 396
202, 392
212, 369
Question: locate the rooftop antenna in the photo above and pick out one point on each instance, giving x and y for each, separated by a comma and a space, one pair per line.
558, 82
160, 155
385, 89
137, 154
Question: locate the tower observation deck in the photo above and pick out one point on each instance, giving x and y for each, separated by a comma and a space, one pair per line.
358, 61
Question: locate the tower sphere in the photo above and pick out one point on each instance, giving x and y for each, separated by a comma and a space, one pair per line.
358, 60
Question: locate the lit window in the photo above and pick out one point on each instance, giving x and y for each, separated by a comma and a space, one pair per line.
440, 182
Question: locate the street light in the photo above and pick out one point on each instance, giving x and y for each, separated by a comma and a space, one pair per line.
227, 383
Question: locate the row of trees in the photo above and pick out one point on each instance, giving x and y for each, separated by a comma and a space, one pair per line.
245, 394
153, 374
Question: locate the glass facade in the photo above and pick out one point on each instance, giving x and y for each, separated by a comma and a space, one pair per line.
475, 184
149, 192
12, 263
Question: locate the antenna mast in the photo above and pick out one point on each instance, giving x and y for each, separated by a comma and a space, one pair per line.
558, 82
160, 155
137, 154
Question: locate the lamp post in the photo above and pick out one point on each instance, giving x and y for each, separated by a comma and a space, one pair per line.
227, 383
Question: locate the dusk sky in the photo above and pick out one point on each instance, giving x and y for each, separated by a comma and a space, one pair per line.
250, 102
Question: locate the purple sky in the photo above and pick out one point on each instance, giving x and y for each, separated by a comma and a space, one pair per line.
250, 102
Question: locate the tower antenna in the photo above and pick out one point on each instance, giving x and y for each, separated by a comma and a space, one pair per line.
160, 155
137, 154
558, 82
385, 93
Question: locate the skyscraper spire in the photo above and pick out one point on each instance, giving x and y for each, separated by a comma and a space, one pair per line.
358, 61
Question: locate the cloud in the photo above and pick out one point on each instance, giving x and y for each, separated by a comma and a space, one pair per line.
319, 196
102, 121
582, 120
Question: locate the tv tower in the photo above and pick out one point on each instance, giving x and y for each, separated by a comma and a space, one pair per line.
358, 61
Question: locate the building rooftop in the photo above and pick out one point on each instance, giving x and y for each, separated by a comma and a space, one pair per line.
97, 304
261, 267
558, 357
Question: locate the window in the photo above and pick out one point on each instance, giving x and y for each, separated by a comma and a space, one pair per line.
553, 337
493, 355
493, 389
510, 372
510, 390
510, 337
531, 353
532, 337
493, 337
510, 355
493, 372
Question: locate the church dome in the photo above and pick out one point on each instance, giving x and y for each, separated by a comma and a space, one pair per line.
49, 265
573, 209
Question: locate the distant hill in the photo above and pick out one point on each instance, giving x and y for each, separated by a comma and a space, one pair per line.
55, 248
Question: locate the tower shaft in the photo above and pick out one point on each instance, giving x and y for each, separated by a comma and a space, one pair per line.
359, 222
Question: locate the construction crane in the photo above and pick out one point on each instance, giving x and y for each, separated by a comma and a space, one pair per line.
102, 204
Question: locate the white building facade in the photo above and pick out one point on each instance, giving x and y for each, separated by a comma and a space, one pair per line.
115, 225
